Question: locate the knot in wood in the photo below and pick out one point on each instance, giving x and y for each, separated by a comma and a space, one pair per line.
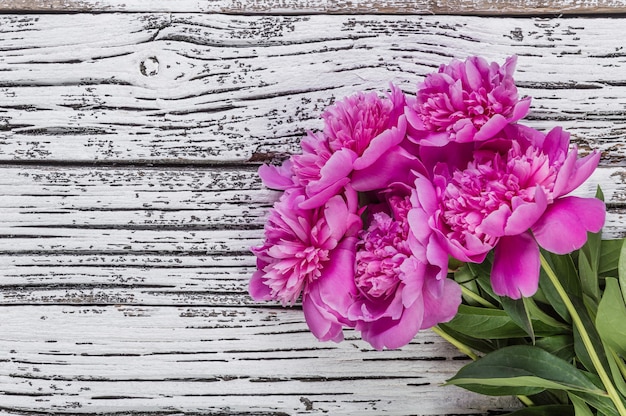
149, 67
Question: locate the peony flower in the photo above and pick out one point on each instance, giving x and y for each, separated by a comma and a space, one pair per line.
360, 145
299, 244
398, 293
465, 101
509, 193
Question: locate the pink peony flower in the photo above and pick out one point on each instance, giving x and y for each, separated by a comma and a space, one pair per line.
509, 194
398, 293
360, 145
299, 244
465, 101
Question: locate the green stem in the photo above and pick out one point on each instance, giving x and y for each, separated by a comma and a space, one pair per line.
595, 359
458, 344
476, 297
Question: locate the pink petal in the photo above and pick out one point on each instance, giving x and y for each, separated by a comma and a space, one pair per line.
336, 214
495, 222
335, 169
277, 177
520, 110
381, 144
442, 308
515, 271
336, 285
563, 227
574, 172
390, 333
492, 127
257, 288
397, 165
425, 195
526, 214
555, 144
322, 324
320, 198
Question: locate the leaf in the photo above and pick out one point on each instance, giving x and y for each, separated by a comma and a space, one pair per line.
521, 369
611, 317
488, 323
476, 344
518, 313
615, 362
602, 403
560, 345
622, 269
581, 351
588, 269
580, 406
548, 410
609, 257
537, 314
589, 261
566, 272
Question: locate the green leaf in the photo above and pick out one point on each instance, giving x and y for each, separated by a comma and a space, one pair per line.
565, 270
580, 407
488, 323
548, 410
521, 369
622, 269
537, 314
609, 257
588, 264
589, 260
611, 317
615, 362
517, 311
581, 351
560, 345
602, 403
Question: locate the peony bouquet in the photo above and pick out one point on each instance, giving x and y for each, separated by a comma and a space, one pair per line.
443, 210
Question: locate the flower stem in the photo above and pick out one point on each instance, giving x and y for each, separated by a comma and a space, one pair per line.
458, 344
476, 297
595, 359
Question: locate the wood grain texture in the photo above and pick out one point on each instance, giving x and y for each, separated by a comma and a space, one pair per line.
456, 7
165, 88
129, 198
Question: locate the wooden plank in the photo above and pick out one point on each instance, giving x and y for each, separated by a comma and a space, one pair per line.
151, 236
208, 359
183, 89
477, 7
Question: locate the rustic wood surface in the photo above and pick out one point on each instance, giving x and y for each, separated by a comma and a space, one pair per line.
290, 7
129, 144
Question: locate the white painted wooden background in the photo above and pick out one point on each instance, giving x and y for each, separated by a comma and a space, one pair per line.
130, 135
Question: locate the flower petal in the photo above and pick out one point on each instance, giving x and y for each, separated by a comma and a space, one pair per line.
442, 308
336, 168
397, 165
515, 271
574, 172
257, 288
277, 177
563, 227
381, 144
492, 127
526, 214
391, 333
326, 300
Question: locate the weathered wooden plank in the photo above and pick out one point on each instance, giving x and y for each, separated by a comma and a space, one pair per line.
211, 359
152, 236
479, 7
177, 88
